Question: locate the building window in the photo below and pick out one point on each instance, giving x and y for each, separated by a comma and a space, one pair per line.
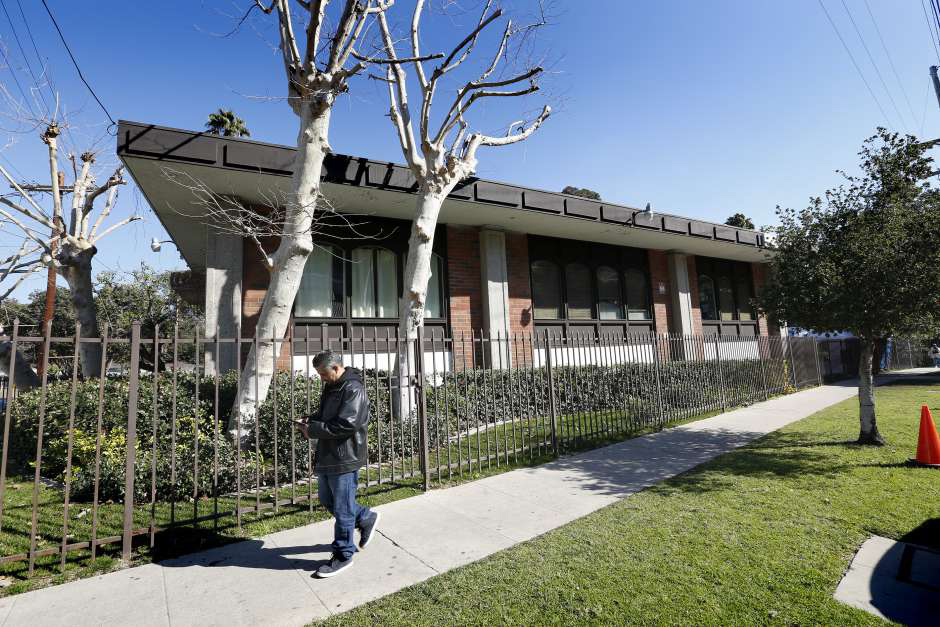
745, 294
725, 298
546, 292
321, 287
434, 302
725, 290
638, 295
588, 284
578, 288
374, 283
706, 297
609, 304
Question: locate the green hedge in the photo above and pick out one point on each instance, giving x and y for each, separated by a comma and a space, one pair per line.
458, 401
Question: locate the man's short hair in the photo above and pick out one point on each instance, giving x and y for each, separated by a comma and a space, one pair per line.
327, 359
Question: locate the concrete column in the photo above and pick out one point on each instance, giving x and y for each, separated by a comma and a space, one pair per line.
495, 277
223, 297
681, 293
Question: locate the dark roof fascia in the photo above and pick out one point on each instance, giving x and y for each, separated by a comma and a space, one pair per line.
162, 143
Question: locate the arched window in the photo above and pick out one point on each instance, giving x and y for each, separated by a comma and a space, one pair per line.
745, 293
374, 283
706, 297
725, 297
546, 292
609, 305
578, 288
638, 301
321, 287
434, 303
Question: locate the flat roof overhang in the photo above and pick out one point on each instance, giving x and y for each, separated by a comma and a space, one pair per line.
257, 172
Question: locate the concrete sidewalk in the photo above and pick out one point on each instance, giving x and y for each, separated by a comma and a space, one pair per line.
267, 581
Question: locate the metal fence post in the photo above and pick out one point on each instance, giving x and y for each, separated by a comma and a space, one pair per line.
721, 384
422, 409
816, 355
11, 388
657, 357
130, 457
551, 392
760, 358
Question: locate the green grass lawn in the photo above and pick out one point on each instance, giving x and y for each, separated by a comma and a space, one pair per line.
760, 535
494, 450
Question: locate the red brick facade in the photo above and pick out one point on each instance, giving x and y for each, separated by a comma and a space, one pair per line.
463, 277
520, 294
662, 299
693, 294
465, 290
520, 289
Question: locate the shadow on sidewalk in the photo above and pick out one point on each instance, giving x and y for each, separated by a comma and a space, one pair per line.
637, 464
254, 554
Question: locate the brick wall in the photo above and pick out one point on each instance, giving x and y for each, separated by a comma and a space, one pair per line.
464, 283
255, 280
520, 294
693, 292
662, 303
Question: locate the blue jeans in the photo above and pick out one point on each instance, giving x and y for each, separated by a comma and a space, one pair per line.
338, 495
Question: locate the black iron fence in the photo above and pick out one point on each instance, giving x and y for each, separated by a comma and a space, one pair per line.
839, 358
111, 460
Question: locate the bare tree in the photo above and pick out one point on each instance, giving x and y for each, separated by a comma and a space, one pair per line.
317, 70
441, 157
66, 243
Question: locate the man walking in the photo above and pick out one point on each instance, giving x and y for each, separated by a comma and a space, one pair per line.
339, 427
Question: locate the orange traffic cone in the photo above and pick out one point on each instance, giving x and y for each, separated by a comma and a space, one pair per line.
928, 443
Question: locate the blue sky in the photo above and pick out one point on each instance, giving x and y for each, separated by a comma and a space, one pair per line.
703, 109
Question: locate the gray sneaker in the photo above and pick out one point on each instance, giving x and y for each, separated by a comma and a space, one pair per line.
336, 566
367, 531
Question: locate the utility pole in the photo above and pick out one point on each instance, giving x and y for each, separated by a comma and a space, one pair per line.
936, 82
58, 183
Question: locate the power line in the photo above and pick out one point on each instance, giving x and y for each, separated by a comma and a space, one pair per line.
852, 57
873, 64
3, 51
935, 9
890, 62
19, 45
930, 29
75, 63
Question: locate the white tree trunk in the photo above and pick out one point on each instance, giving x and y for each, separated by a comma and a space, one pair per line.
76, 269
288, 263
866, 396
418, 263
414, 292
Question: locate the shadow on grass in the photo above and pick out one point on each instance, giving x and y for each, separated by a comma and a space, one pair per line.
631, 466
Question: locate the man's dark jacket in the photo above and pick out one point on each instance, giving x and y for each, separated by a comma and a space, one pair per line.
339, 426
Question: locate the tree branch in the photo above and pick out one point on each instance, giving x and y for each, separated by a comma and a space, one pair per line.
115, 226
116, 179
477, 140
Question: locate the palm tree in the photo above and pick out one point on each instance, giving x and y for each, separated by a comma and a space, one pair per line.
227, 124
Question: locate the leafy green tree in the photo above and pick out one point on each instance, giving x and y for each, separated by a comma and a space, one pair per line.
583, 192
144, 295
741, 221
30, 315
864, 258
226, 124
